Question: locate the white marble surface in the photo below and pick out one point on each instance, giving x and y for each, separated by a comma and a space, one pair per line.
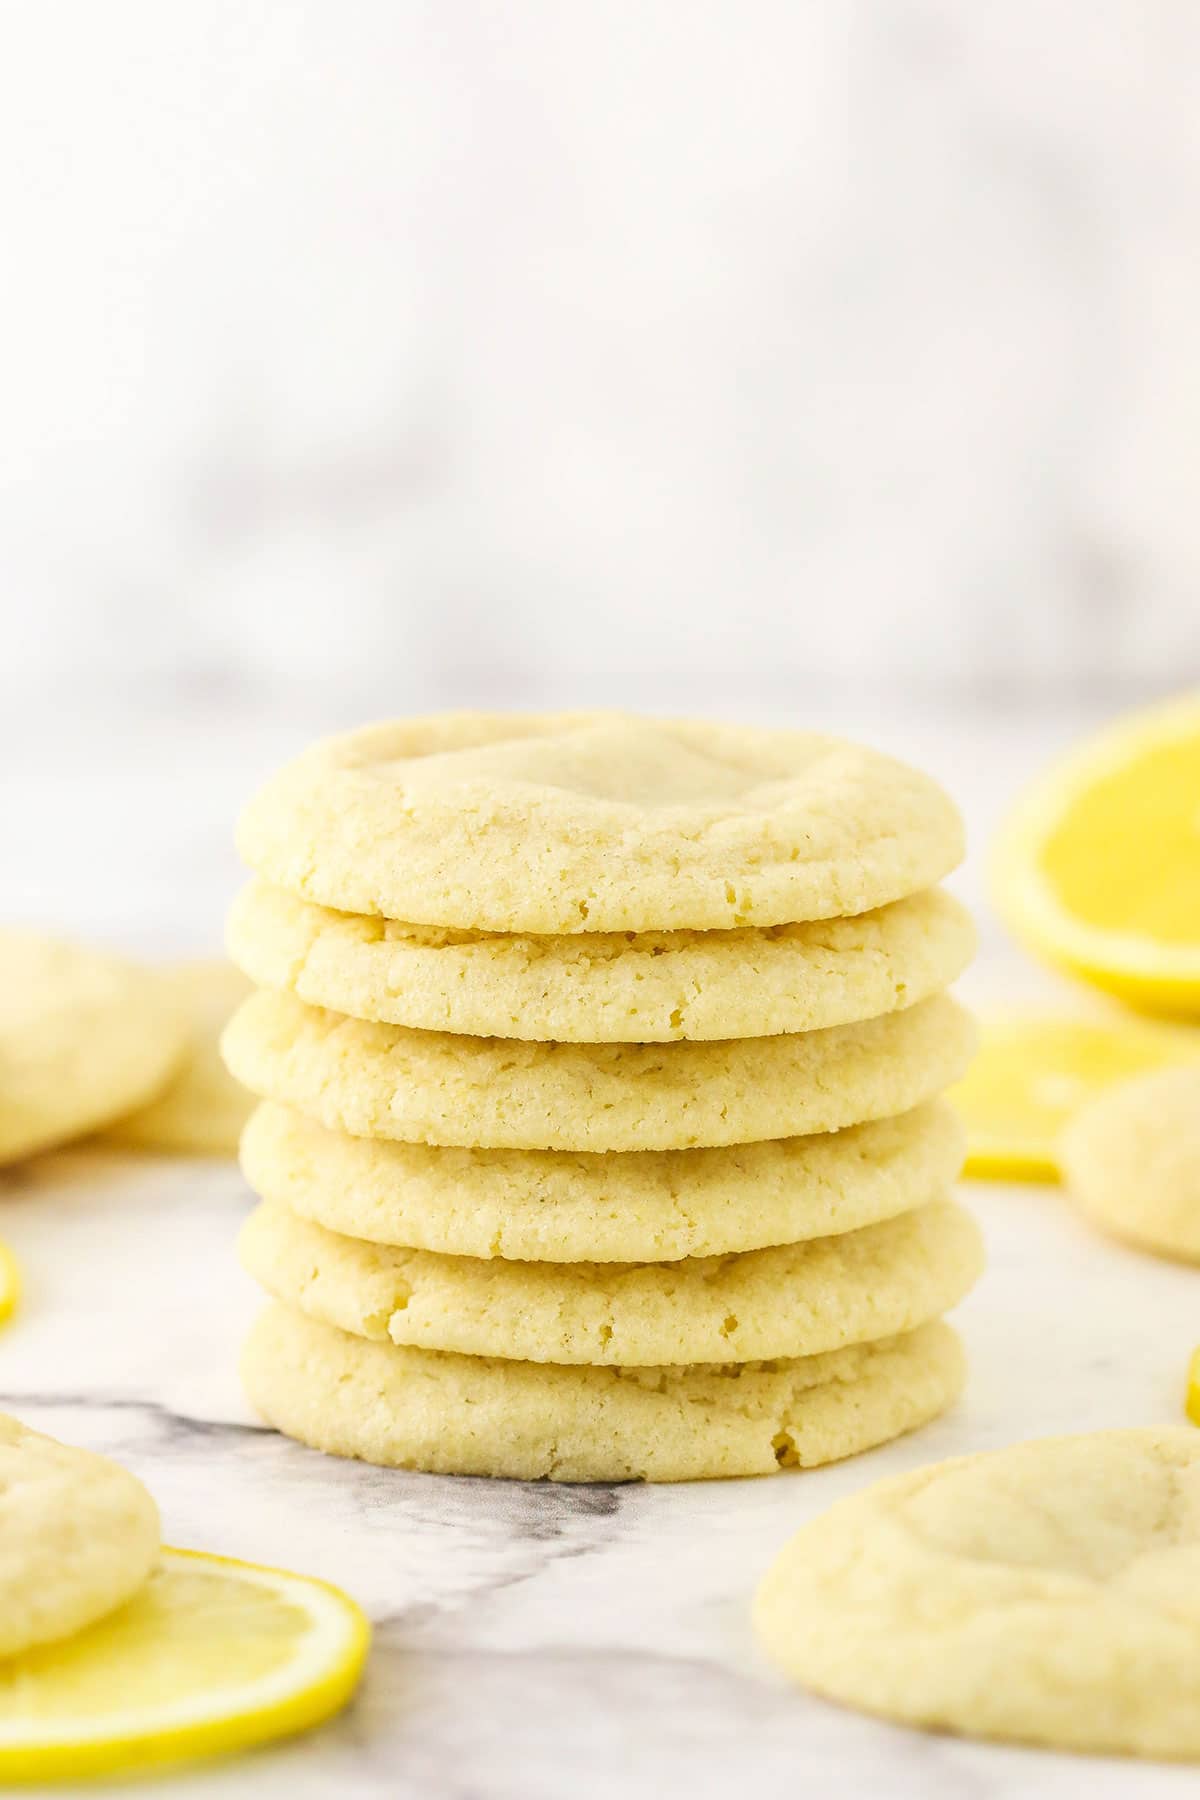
531, 1642
534, 1641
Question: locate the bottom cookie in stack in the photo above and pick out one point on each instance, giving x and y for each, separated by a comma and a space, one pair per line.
473, 1415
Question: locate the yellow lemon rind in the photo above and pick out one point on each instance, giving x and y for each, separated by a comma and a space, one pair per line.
130, 1746
1130, 965
1191, 1403
996, 1159
10, 1284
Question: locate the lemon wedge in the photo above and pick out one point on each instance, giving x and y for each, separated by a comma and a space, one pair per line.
1031, 1074
10, 1283
1098, 868
211, 1656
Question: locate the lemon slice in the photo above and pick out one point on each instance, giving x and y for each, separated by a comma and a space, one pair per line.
211, 1656
10, 1283
1032, 1074
1098, 869
1191, 1404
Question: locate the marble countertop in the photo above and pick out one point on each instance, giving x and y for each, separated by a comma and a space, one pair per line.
530, 1641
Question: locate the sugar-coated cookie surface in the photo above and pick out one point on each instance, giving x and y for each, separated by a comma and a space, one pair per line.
597, 822
1131, 1159
791, 1300
576, 1206
203, 1109
431, 1087
1048, 1593
84, 1037
604, 987
467, 1415
78, 1537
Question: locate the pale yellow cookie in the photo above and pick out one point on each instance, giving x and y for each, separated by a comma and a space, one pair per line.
597, 822
470, 1415
1047, 1593
791, 1300
84, 1037
575, 1206
78, 1536
604, 987
431, 1087
1131, 1159
203, 1109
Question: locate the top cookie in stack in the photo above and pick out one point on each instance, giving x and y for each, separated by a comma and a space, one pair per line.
599, 1059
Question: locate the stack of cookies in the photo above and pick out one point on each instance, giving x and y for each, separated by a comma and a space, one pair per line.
599, 1061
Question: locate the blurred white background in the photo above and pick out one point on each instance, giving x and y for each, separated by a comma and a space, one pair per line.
807, 358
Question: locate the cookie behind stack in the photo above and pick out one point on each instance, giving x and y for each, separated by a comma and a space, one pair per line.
599, 1061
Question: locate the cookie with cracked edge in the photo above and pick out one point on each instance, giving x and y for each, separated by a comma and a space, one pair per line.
604, 987
467, 1415
568, 1206
792, 1300
432, 1087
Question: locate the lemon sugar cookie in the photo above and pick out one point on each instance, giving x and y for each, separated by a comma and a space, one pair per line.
203, 1109
576, 1206
604, 987
597, 822
470, 1415
792, 1300
435, 1088
84, 1037
1131, 1159
78, 1536
1046, 1594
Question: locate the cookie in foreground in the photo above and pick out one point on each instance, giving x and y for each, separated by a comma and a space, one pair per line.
1048, 1593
